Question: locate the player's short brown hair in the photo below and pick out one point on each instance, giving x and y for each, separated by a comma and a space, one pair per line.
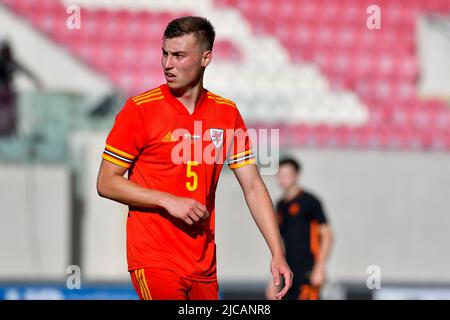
292, 162
199, 26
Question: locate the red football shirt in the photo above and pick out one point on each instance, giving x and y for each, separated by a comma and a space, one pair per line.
168, 149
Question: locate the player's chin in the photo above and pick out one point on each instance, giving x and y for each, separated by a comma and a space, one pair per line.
170, 84
173, 84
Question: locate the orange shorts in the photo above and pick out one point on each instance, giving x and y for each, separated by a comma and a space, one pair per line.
308, 292
164, 284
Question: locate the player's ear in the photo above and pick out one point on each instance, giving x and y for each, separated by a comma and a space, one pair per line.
206, 58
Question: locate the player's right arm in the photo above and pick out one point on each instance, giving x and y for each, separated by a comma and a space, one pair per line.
124, 143
112, 184
272, 290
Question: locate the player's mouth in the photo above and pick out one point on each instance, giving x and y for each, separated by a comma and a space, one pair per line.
170, 76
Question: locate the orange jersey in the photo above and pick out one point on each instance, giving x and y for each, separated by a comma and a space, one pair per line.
168, 149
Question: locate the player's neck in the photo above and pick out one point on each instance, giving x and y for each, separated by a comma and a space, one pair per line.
292, 192
190, 96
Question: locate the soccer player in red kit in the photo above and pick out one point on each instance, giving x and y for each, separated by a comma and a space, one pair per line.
173, 140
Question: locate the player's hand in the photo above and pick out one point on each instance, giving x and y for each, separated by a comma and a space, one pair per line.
186, 209
280, 268
318, 275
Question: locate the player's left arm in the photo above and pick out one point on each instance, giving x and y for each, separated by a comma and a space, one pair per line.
326, 243
261, 208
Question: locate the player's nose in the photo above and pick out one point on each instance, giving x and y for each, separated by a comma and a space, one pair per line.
167, 63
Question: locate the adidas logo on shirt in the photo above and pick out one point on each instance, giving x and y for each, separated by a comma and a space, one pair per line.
168, 137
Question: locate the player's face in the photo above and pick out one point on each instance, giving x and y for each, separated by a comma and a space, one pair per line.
287, 176
183, 61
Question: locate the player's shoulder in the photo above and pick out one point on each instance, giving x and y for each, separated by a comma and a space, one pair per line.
309, 195
148, 97
219, 100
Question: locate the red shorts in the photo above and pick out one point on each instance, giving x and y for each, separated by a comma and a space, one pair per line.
164, 284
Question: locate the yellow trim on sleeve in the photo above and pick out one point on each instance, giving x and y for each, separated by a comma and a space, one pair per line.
241, 154
119, 152
116, 161
241, 164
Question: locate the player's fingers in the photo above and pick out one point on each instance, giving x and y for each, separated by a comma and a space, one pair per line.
189, 221
287, 285
195, 215
202, 213
288, 275
282, 293
203, 209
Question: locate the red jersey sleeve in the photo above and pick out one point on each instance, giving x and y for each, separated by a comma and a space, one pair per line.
127, 137
241, 152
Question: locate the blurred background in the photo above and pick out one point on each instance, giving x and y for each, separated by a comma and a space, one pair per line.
365, 109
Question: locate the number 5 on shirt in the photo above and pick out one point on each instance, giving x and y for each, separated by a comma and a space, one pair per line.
191, 174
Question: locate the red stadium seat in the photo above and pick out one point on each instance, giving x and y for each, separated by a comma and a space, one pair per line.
381, 66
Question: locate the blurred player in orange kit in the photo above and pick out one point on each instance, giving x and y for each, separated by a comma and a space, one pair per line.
173, 141
306, 233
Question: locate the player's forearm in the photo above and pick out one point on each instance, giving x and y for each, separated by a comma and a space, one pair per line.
129, 193
260, 205
325, 248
